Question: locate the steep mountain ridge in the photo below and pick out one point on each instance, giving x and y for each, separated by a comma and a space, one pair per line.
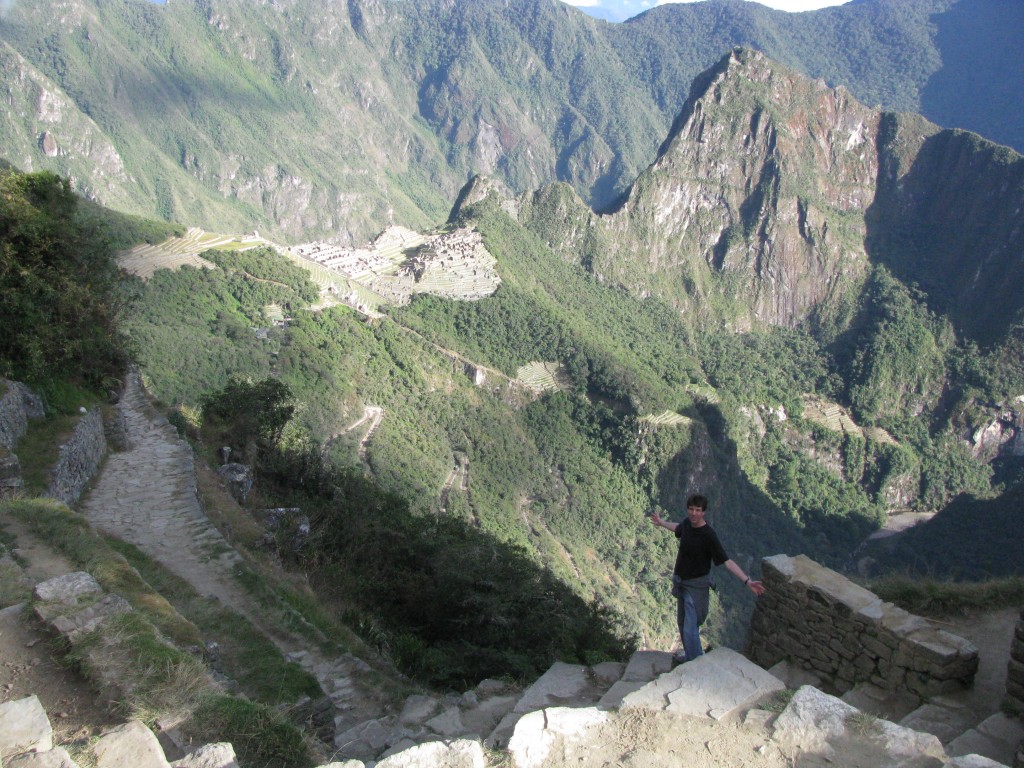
306, 119
775, 194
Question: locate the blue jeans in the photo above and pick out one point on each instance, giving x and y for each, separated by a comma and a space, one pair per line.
689, 626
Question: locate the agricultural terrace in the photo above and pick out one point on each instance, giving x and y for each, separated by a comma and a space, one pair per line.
542, 377
834, 417
666, 419
144, 260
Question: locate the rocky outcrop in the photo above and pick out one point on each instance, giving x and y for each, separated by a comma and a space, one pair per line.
812, 614
767, 176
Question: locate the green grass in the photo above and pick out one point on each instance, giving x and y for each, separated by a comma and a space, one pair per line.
929, 597
71, 535
249, 658
155, 680
39, 448
261, 737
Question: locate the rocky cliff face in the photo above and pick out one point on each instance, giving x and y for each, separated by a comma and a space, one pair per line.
774, 194
764, 183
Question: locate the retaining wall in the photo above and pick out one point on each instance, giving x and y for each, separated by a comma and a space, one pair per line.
80, 459
823, 621
18, 404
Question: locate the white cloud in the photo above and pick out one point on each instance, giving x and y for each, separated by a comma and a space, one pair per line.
583, 3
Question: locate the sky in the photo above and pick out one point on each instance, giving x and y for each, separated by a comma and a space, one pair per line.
620, 10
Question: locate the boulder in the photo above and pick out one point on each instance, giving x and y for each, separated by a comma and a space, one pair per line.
55, 758
238, 478
538, 733
814, 722
67, 588
220, 755
438, 754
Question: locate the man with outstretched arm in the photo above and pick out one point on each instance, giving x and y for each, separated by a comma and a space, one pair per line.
691, 583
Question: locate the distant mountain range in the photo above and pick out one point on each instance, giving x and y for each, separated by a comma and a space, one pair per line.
305, 118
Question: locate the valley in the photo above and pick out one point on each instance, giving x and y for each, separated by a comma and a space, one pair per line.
495, 306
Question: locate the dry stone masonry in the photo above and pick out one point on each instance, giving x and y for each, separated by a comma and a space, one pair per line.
80, 459
1015, 671
846, 633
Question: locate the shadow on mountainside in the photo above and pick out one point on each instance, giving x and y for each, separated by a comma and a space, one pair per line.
954, 241
982, 73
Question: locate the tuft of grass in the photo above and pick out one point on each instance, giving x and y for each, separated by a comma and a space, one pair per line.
862, 723
71, 534
261, 736
930, 597
778, 701
155, 680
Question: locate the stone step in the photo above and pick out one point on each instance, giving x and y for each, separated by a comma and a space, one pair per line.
997, 738
722, 684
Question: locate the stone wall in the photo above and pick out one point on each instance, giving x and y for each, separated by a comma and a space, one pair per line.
18, 404
80, 459
816, 617
1015, 671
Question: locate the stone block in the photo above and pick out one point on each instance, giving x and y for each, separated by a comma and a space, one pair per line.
562, 684
131, 744
24, 726
73, 626
538, 732
814, 720
220, 755
720, 684
448, 723
644, 666
483, 718
996, 737
418, 709
457, 754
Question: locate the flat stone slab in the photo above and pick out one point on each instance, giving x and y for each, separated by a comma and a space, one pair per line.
219, 755
131, 744
24, 726
973, 761
614, 696
645, 666
716, 685
74, 625
996, 737
945, 722
562, 684
889, 705
55, 758
67, 588
815, 722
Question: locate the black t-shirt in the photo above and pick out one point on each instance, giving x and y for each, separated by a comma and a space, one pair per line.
698, 547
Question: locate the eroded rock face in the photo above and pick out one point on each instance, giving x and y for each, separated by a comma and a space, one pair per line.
767, 174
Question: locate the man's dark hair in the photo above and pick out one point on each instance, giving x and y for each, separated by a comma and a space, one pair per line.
697, 501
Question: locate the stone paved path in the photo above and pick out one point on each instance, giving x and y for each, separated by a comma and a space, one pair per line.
147, 496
